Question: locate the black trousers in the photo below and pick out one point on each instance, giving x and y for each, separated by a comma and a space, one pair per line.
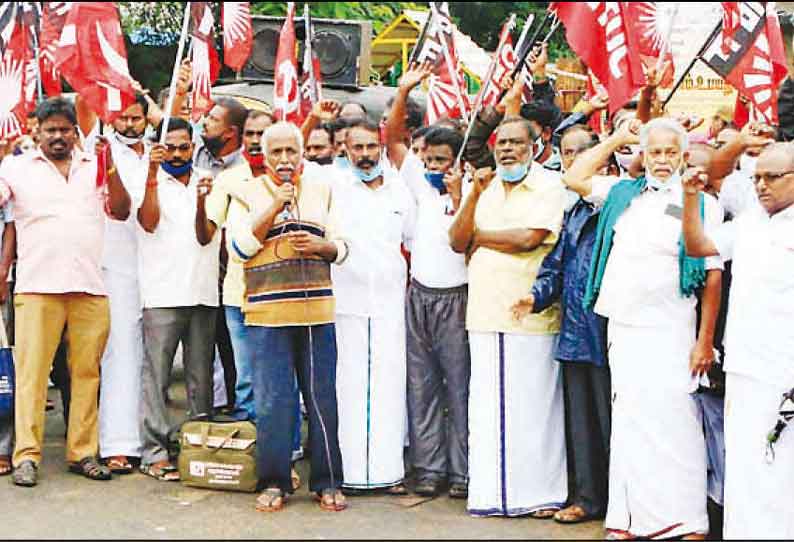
587, 392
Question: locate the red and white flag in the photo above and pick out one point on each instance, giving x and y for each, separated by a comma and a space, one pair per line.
447, 94
52, 21
647, 28
95, 64
311, 79
238, 34
286, 90
597, 34
206, 65
505, 64
755, 63
12, 83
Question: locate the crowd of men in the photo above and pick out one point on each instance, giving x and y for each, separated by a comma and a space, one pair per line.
541, 323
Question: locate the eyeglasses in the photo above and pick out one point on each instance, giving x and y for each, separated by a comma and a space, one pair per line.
172, 148
770, 178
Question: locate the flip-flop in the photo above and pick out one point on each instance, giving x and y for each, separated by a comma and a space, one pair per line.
396, 491
544, 513
265, 501
331, 500
119, 465
617, 534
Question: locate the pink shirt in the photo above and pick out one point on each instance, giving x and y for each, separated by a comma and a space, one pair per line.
60, 224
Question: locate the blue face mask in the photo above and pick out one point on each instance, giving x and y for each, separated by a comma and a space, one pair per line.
177, 171
512, 174
370, 176
436, 179
342, 162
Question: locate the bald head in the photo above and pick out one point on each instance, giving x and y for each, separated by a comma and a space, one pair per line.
774, 177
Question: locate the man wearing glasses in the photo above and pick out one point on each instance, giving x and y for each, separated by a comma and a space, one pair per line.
759, 343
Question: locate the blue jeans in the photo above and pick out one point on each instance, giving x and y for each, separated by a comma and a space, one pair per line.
244, 389
278, 354
713, 408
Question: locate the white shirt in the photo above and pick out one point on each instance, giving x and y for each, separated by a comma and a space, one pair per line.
641, 280
372, 280
174, 269
120, 251
759, 337
433, 262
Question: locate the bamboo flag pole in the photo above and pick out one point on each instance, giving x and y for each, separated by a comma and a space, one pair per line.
174, 75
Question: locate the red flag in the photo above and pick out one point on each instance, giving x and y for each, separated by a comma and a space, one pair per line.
311, 80
237, 34
12, 83
756, 62
647, 24
95, 65
205, 61
505, 64
286, 92
447, 92
731, 21
53, 18
596, 32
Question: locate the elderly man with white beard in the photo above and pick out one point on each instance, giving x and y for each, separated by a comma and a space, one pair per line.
642, 280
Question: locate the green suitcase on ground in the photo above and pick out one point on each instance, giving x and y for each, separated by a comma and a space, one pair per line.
218, 455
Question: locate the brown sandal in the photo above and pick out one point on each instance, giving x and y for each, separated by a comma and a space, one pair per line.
5, 465
162, 471
270, 500
331, 500
119, 465
572, 514
396, 491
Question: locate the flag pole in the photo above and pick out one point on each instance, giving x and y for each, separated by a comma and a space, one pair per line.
525, 31
525, 53
419, 41
450, 66
481, 95
697, 57
174, 75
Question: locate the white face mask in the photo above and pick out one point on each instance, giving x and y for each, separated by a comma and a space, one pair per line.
663, 184
625, 160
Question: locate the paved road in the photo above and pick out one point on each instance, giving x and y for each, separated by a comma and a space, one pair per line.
65, 505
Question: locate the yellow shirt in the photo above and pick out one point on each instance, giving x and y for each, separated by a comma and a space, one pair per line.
221, 209
498, 280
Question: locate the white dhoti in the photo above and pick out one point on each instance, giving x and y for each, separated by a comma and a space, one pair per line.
657, 475
371, 394
757, 492
122, 362
517, 462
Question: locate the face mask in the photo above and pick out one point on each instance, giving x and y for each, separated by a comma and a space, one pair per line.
659, 184
129, 141
625, 160
255, 160
342, 162
213, 144
370, 176
177, 171
512, 174
324, 160
436, 180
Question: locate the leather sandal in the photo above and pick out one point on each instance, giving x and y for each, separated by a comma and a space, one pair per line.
91, 469
458, 491
270, 500
331, 500
26, 474
427, 488
396, 491
544, 513
572, 514
162, 471
119, 465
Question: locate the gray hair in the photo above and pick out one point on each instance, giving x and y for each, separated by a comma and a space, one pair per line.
296, 132
666, 124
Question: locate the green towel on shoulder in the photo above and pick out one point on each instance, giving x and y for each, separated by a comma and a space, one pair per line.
692, 271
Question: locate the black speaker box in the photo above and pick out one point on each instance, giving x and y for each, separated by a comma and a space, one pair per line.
343, 48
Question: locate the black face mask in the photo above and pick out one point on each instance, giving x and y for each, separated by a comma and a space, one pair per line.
324, 160
214, 144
